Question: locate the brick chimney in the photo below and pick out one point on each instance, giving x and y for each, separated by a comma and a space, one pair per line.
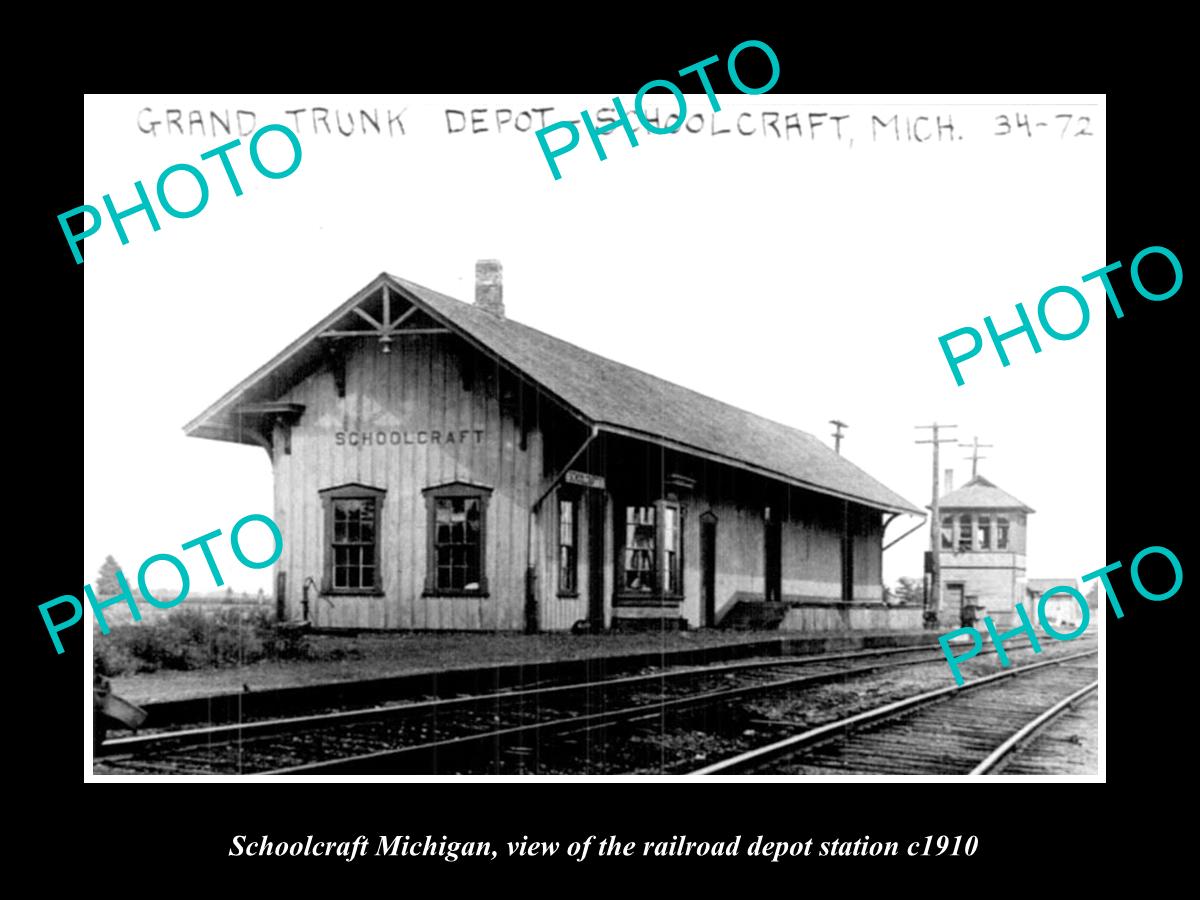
949, 481
489, 292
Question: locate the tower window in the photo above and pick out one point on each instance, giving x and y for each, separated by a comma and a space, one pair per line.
985, 533
964, 533
947, 532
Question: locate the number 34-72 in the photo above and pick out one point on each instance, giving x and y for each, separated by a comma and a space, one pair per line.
1071, 125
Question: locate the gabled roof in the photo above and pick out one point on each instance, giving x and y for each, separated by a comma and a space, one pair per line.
614, 397
979, 493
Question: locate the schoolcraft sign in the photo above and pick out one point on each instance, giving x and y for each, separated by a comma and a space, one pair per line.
396, 438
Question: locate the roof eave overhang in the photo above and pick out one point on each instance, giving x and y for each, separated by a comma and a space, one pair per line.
758, 470
210, 417
209, 425
209, 420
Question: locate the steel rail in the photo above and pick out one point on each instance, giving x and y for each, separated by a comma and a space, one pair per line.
590, 722
266, 727
998, 755
752, 758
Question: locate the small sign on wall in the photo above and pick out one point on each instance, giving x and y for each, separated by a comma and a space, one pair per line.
585, 478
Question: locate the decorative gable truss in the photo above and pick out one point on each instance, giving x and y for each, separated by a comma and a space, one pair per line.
376, 314
376, 311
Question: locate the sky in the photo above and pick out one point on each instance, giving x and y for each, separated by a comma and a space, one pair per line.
790, 272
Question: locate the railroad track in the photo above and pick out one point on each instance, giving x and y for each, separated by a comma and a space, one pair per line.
972, 729
1049, 744
495, 730
299, 700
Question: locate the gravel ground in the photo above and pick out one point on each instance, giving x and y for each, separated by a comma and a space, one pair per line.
381, 656
680, 744
690, 749
1069, 745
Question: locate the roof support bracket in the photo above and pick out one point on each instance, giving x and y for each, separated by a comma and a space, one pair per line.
335, 358
269, 414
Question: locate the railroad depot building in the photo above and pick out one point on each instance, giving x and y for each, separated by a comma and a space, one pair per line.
439, 466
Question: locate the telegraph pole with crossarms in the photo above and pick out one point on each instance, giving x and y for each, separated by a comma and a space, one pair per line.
837, 436
974, 455
933, 608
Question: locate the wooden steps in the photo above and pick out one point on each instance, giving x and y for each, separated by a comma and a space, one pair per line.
755, 615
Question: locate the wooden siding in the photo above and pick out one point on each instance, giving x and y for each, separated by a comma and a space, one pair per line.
437, 384
811, 547
852, 617
868, 556
740, 556
558, 612
812, 551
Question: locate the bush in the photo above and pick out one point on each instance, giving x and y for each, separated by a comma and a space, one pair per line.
112, 658
185, 639
192, 639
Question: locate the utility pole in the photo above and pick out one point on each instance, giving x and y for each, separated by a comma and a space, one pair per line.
975, 457
837, 436
935, 593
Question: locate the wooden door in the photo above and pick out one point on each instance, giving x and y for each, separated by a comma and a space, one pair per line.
774, 561
954, 603
708, 569
595, 585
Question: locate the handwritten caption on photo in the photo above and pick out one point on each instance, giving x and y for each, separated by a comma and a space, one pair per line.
622, 117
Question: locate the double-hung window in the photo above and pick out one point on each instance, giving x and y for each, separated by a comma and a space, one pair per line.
457, 530
568, 540
651, 558
353, 514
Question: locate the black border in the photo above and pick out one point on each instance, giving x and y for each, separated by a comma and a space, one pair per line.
176, 828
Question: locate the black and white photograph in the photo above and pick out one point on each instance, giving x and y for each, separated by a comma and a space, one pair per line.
766, 439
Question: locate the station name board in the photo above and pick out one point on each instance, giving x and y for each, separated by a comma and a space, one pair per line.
396, 438
584, 478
